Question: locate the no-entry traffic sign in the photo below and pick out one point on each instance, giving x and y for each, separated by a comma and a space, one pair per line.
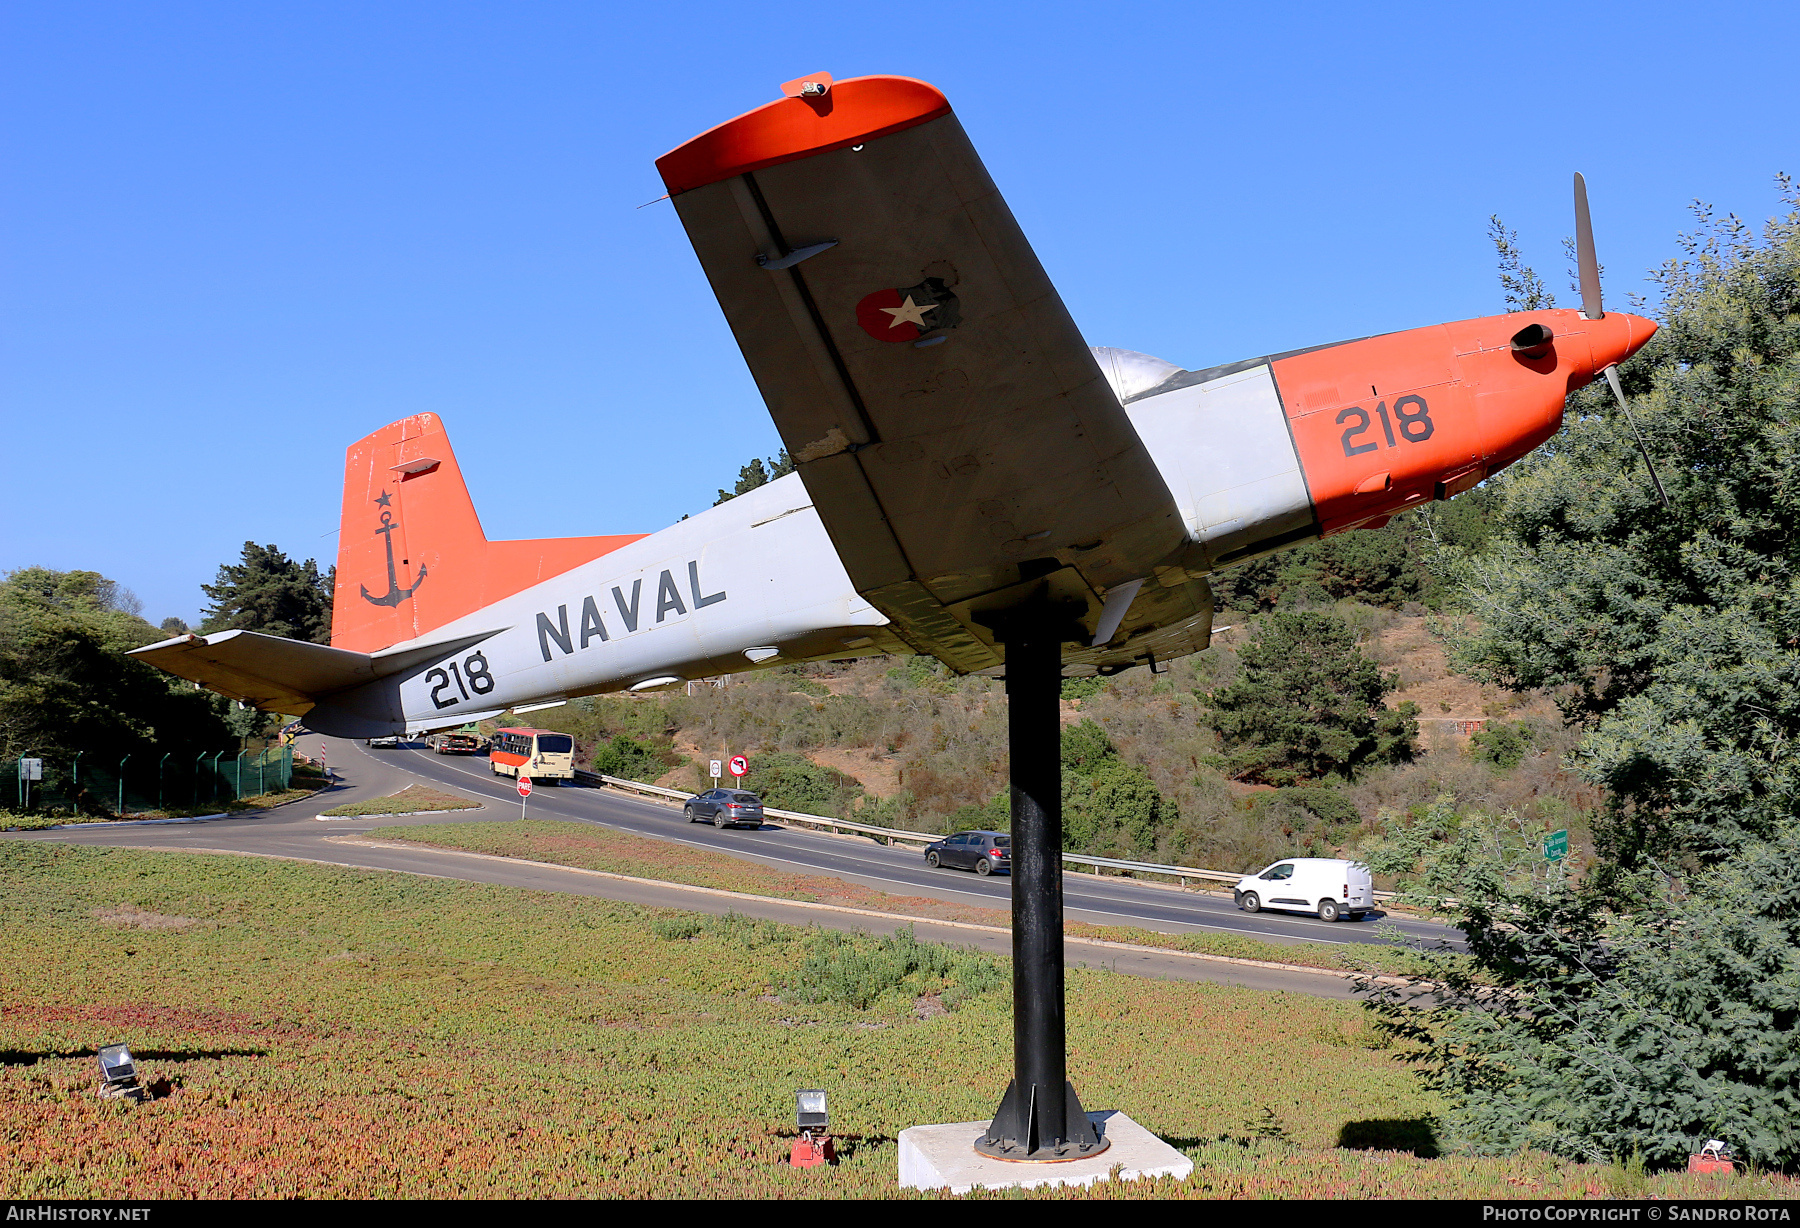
739, 765
524, 786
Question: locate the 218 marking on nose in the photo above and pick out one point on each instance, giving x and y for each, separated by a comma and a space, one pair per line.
1415, 423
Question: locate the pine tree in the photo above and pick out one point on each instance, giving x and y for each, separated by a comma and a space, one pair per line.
270, 593
758, 473
1309, 705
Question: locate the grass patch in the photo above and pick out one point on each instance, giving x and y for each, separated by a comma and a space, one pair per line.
1384, 961
414, 799
320, 1032
590, 847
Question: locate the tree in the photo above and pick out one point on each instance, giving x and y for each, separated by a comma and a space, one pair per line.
1110, 805
1669, 636
1386, 566
66, 685
1523, 288
1593, 1034
272, 594
1648, 1001
1309, 705
758, 473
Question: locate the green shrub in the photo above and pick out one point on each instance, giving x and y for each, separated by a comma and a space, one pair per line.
1082, 688
788, 781
1111, 807
1324, 803
995, 814
631, 758
677, 929
857, 971
1503, 744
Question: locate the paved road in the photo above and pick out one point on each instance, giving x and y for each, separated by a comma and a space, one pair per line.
295, 831
902, 870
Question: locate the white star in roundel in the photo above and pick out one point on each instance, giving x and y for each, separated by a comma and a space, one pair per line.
910, 313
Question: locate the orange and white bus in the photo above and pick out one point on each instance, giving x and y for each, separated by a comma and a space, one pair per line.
541, 754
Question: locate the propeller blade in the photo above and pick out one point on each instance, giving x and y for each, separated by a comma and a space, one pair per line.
1584, 254
1612, 379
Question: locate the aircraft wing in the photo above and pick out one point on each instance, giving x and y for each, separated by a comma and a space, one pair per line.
954, 432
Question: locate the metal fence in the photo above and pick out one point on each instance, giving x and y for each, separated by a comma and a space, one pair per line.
91, 783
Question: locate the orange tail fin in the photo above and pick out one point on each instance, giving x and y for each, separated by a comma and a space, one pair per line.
411, 553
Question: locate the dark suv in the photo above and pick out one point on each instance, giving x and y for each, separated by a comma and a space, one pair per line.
725, 808
981, 851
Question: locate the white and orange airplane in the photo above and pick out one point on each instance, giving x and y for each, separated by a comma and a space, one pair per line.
959, 447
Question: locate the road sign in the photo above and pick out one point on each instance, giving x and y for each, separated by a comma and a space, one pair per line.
524, 786
739, 765
1556, 847
32, 769
716, 769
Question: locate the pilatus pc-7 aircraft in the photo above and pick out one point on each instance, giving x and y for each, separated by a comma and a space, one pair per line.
960, 450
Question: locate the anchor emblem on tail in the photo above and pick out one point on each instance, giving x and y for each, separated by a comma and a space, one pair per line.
395, 594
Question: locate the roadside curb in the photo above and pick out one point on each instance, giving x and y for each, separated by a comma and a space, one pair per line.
717, 892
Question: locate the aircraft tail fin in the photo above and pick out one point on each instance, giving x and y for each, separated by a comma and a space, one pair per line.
412, 556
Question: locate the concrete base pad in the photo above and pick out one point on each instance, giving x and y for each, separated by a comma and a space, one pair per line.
939, 1157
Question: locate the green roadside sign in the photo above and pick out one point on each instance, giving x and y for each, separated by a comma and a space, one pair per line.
1556, 846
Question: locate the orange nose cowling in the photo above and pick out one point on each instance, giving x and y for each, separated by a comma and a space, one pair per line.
1445, 407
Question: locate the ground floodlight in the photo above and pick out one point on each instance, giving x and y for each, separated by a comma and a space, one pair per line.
116, 1065
814, 1146
118, 1075
811, 1114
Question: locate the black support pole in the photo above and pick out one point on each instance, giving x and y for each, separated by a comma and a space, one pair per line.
1040, 1117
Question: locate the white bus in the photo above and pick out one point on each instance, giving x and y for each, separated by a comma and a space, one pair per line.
541, 754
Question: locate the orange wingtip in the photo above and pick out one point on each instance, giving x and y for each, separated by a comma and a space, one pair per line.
788, 129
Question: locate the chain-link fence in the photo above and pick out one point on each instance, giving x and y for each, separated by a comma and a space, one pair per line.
108, 784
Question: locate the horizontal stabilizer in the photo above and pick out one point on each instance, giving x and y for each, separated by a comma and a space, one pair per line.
290, 676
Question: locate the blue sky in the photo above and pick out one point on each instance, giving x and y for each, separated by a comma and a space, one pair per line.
237, 237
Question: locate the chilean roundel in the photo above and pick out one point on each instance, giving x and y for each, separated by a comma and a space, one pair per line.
908, 314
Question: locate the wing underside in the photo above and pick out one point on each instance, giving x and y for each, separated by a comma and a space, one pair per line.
957, 437
292, 676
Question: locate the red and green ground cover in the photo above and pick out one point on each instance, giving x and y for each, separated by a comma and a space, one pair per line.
321, 1032
597, 848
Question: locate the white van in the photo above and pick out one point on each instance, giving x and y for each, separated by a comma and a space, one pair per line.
1320, 885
